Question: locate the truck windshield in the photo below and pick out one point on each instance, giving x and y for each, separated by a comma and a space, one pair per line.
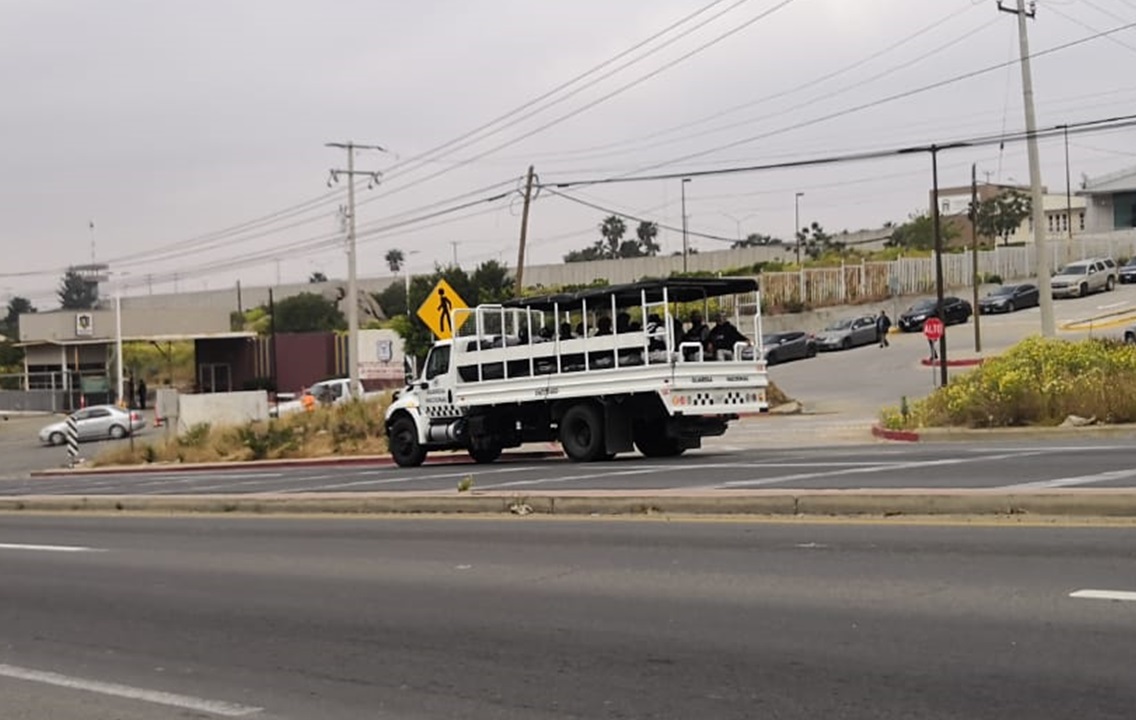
439, 362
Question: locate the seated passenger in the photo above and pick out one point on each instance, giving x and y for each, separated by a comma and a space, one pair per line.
623, 322
603, 325
723, 337
698, 333
566, 331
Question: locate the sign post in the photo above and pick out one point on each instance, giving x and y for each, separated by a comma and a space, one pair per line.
72, 441
933, 331
439, 309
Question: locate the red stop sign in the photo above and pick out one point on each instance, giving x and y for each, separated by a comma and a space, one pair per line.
933, 329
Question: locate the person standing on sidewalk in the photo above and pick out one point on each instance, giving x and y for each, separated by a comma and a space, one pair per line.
883, 326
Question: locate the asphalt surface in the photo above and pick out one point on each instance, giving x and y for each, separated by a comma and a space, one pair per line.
1021, 466
530, 618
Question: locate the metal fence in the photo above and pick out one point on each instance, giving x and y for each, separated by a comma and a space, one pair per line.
37, 392
866, 282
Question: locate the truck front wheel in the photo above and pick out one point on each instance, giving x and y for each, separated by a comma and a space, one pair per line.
581, 433
404, 445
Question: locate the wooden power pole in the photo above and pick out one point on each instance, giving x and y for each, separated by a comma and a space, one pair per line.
519, 285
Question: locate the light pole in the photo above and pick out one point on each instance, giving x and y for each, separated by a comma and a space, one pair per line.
797, 223
121, 375
685, 243
406, 276
738, 222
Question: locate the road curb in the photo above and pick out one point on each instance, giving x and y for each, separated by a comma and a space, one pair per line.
834, 503
1004, 434
366, 461
965, 362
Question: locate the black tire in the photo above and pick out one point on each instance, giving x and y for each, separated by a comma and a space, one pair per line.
811, 351
1130, 338
582, 433
485, 455
1011, 307
117, 432
1110, 285
1083, 290
846, 344
402, 436
771, 358
56, 439
656, 445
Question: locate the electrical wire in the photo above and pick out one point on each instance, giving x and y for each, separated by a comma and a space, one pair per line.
875, 103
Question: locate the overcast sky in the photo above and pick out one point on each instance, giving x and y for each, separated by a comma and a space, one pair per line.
169, 123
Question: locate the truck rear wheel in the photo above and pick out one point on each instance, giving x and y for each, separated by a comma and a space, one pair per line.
485, 454
581, 433
655, 443
404, 445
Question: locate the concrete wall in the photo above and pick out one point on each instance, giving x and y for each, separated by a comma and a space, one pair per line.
235, 408
63, 324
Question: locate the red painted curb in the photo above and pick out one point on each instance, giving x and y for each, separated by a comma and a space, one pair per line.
968, 362
900, 435
274, 464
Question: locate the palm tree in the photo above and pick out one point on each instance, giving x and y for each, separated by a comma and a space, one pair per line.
647, 232
612, 230
395, 259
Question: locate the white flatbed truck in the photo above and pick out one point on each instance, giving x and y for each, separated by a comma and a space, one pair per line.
515, 373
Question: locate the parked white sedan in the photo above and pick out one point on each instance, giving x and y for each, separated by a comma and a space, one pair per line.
98, 422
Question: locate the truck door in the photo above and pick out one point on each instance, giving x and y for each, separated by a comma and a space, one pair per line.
438, 402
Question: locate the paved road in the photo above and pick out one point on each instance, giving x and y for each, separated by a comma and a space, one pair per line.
550, 619
923, 465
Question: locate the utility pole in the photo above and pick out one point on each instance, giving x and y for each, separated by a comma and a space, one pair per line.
797, 223
454, 245
939, 265
1041, 248
519, 285
974, 252
1069, 195
352, 280
685, 242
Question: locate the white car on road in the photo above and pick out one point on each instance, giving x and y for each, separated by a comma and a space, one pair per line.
98, 422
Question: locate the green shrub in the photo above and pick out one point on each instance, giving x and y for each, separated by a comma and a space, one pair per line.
1038, 382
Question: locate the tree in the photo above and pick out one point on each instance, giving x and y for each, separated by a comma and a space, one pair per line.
395, 260
10, 325
918, 233
588, 253
816, 242
755, 240
646, 233
612, 229
492, 281
317, 277
392, 300
308, 312
1001, 216
77, 292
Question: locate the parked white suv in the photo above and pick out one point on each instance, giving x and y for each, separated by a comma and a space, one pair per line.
1080, 278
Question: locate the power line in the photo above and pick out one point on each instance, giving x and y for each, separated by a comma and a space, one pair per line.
879, 102
663, 226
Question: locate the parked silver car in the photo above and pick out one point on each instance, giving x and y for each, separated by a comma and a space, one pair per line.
848, 333
98, 422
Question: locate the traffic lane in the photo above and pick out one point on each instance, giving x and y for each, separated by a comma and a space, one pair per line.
583, 619
1016, 467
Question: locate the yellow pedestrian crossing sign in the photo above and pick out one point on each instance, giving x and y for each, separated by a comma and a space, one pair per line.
439, 311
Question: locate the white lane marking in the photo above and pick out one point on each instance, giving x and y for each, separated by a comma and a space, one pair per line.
590, 476
49, 548
1124, 595
404, 479
1075, 480
185, 702
1052, 448
878, 467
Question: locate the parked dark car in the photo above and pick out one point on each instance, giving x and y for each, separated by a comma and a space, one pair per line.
955, 311
785, 346
1127, 271
1009, 298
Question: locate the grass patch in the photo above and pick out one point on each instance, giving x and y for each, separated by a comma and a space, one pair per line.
1038, 382
354, 428
776, 396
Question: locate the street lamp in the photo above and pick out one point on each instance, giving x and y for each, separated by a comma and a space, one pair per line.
738, 222
406, 277
797, 223
685, 244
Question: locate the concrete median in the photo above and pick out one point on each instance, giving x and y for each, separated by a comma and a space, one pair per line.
1072, 503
